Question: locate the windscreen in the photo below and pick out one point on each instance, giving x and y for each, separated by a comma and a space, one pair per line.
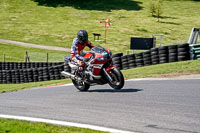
98, 49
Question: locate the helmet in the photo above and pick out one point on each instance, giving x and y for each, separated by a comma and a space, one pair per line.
82, 36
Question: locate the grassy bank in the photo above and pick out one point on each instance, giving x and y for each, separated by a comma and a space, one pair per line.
16, 126
16, 87
192, 66
14, 53
56, 23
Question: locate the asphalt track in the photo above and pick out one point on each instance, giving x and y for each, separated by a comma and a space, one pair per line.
144, 106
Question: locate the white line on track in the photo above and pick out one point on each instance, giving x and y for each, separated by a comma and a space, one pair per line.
64, 123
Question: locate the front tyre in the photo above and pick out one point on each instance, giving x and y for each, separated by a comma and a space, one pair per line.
82, 86
117, 79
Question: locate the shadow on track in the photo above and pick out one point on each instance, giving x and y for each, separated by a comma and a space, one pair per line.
115, 91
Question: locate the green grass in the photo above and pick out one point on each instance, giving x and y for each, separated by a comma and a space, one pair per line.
16, 87
14, 53
54, 23
16, 126
191, 66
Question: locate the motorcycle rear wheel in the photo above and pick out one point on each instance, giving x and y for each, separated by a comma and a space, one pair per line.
81, 86
118, 79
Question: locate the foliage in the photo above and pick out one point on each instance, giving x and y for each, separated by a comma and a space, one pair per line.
155, 8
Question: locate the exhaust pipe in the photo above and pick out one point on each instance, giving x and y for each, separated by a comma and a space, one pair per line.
68, 75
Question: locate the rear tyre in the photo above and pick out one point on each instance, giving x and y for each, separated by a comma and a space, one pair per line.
118, 79
81, 86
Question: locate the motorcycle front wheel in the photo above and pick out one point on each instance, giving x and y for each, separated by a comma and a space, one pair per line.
117, 79
81, 86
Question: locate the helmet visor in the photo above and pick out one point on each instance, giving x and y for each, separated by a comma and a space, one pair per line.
83, 39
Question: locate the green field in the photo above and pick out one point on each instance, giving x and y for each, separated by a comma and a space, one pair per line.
14, 53
16, 126
57, 22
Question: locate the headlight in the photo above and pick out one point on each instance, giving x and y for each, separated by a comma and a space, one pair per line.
101, 59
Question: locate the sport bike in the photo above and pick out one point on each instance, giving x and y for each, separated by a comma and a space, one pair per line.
98, 69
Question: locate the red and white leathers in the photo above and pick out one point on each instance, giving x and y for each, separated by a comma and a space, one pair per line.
77, 51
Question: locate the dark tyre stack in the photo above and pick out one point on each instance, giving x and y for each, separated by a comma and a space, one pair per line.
28, 65
61, 68
6, 66
183, 52
25, 73
35, 75
21, 76
172, 53
13, 79
131, 60
30, 75
163, 54
154, 56
56, 72
1, 66
17, 76
4, 74
32, 65
45, 74
51, 73
8, 77
1, 77
23, 65
116, 59
40, 74
139, 59
147, 58
125, 64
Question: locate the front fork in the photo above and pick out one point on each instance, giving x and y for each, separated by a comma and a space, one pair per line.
107, 74
107, 70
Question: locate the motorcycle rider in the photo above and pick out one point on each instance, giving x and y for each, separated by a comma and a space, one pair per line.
78, 45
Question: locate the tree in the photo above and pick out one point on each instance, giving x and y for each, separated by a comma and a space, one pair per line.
155, 7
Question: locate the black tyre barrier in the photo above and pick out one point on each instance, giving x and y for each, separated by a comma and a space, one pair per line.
24, 65
117, 55
172, 53
32, 74
116, 58
20, 72
160, 55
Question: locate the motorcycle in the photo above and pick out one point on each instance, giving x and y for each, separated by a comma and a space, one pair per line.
98, 70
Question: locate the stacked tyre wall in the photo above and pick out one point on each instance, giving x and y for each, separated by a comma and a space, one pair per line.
20, 72
160, 55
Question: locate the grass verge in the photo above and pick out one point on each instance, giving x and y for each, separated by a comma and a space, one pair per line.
15, 87
18, 126
15, 53
191, 66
